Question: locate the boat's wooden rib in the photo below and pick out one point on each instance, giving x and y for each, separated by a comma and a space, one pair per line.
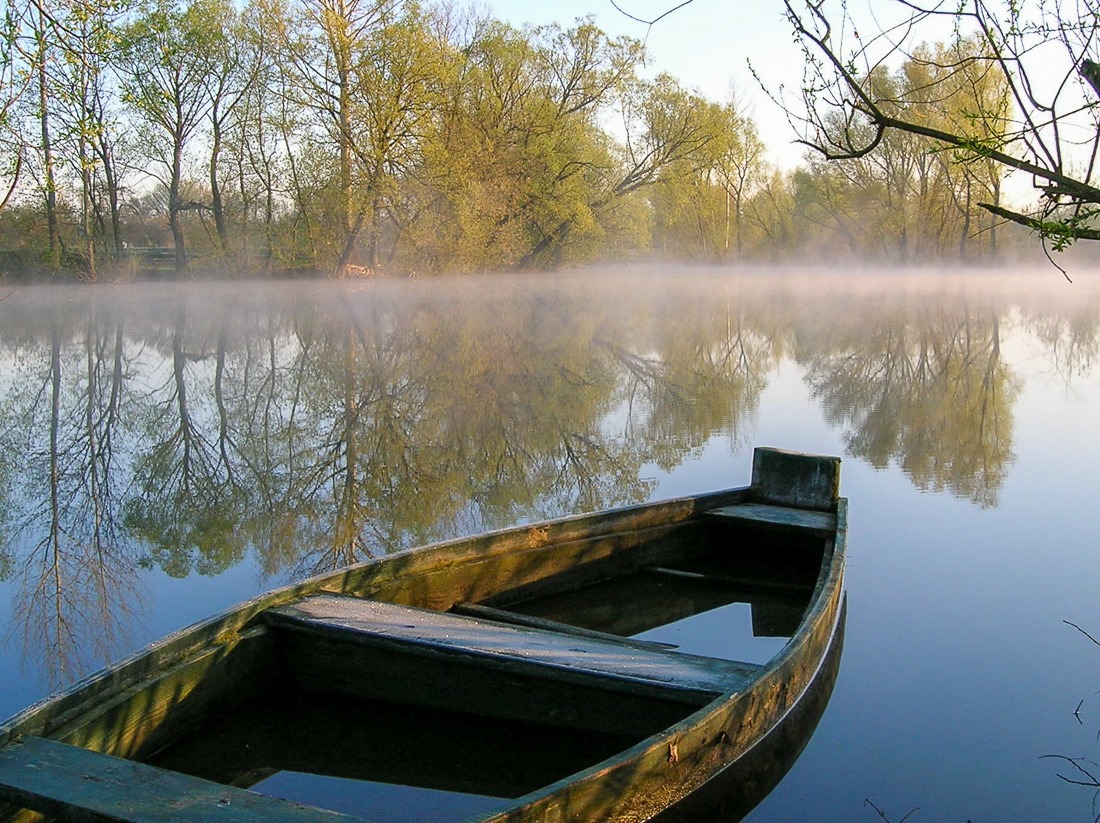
777, 518
77, 784
518, 619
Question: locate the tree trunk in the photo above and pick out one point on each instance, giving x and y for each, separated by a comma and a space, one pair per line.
216, 203
964, 232
175, 206
111, 179
349, 245
49, 180
993, 223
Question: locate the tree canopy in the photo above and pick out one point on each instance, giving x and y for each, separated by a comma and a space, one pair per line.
363, 136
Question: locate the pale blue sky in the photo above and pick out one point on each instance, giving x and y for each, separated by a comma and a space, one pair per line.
706, 44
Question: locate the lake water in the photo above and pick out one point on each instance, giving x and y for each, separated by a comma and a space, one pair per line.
169, 450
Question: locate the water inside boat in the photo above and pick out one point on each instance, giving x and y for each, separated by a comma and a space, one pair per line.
382, 761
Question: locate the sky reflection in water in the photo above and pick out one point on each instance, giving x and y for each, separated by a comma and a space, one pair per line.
209, 442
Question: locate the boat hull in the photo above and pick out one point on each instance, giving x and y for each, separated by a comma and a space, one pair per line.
144, 706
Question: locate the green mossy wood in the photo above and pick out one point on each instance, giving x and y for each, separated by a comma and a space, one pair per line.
76, 784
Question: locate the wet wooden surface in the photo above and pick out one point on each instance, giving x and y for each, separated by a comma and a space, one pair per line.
519, 619
786, 478
779, 518
77, 784
516, 646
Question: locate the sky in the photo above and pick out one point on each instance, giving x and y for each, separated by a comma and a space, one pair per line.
706, 44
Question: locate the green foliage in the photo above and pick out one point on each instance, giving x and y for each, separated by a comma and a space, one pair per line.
1063, 233
298, 135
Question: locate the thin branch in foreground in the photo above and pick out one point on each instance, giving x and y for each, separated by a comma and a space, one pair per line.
1085, 633
1076, 763
1051, 260
656, 19
882, 814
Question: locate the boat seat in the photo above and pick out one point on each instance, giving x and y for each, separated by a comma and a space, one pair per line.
486, 666
777, 518
73, 783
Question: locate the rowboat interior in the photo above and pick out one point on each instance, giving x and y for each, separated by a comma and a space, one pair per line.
598, 667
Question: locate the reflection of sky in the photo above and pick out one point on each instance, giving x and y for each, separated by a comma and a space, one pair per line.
725, 632
958, 673
378, 802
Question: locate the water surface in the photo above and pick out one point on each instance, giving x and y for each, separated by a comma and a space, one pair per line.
168, 450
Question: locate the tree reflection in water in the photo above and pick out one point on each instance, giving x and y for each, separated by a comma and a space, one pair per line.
313, 425
921, 385
76, 579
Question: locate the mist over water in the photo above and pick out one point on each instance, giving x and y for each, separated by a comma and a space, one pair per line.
167, 450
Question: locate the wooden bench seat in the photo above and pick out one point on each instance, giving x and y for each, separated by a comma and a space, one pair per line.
394, 652
77, 784
778, 518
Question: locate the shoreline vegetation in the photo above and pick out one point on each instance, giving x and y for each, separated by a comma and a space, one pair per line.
147, 139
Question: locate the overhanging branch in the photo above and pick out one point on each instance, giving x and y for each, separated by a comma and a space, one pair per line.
1043, 227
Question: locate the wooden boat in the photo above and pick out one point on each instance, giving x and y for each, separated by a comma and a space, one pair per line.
478, 661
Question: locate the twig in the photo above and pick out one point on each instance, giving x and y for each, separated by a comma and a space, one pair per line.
656, 19
882, 814
1052, 261
1085, 633
1076, 763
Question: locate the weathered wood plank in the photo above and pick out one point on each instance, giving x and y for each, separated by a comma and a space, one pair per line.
489, 642
509, 672
77, 784
532, 622
788, 478
778, 518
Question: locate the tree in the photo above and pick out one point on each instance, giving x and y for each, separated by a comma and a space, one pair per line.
519, 160
168, 59
888, 203
741, 169
13, 84
324, 45
1035, 55
38, 46
700, 201
81, 81
228, 83
666, 127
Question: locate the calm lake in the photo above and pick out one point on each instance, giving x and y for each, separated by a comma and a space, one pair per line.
169, 450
